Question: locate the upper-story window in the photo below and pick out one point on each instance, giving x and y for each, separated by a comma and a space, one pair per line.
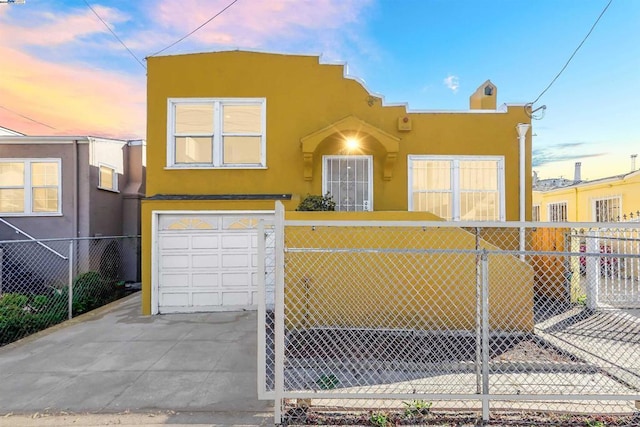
107, 178
216, 133
557, 212
30, 186
467, 188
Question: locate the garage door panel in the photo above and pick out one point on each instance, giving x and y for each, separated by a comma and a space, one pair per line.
235, 280
205, 280
235, 241
235, 298
174, 242
235, 260
174, 280
174, 299
205, 242
206, 298
204, 261
169, 261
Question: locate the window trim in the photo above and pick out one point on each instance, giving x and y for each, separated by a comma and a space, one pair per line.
566, 210
369, 157
455, 180
600, 199
533, 211
218, 133
114, 178
28, 186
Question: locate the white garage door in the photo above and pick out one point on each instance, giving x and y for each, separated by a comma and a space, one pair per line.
207, 262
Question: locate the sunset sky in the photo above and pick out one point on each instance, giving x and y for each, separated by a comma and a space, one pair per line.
63, 72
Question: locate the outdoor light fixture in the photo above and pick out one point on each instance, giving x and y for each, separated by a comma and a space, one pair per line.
352, 143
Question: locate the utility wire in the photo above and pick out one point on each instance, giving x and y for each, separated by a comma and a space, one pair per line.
574, 52
26, 117
115, 35
203, 24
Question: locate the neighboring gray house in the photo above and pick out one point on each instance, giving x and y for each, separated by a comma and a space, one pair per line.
70, 186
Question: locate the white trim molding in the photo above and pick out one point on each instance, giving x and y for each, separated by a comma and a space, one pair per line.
367, 202
454, 181
558, 205
216, 134
114, 178
27, 186
617, 205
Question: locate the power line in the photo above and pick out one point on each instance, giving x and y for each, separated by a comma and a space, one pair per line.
26, 117
203, 24
574, 52
114, 34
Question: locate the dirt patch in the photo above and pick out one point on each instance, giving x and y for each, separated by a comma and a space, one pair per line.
417, 347
373, 418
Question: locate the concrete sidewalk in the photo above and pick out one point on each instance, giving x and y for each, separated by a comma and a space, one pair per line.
608, 339
116, 361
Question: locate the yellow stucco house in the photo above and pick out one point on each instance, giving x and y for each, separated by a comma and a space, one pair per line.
610, 199
231, 133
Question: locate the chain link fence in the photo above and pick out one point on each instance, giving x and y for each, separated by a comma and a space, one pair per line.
414, 318
45, 282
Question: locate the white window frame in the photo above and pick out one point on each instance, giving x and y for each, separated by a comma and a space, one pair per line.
535, 209
218, 133
556, 205
455, 179
28, 186
114, 178
369, 176
594, 211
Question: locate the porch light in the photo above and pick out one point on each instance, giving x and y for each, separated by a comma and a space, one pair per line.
352, 143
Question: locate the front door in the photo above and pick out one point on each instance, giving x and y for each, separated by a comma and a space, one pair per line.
349, 181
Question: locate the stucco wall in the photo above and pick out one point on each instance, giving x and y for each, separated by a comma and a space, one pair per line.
304, 97
44, 226
580, 198
106, 206
370, 289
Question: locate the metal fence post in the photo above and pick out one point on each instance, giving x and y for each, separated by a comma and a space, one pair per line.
574, 247
592, 269
478, 315
279, 313
70, 293
1, 263
262, 311
485, 335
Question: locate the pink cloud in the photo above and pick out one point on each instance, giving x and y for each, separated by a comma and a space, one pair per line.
57, 29
249, 23
71, 99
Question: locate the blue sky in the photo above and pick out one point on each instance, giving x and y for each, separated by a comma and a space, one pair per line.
62, 68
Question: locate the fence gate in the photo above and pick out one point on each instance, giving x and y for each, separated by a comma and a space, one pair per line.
613, 277
409, 317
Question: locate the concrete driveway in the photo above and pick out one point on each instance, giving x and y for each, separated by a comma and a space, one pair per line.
116, 361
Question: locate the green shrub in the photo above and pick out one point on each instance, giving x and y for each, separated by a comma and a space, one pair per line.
90, 291
317, 203
22, 315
